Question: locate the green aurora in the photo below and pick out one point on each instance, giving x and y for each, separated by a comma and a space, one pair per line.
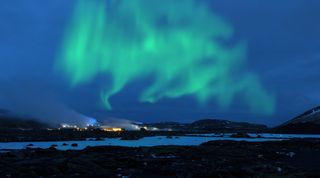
181, 44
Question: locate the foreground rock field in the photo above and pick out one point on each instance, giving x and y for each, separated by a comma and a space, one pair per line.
295, 158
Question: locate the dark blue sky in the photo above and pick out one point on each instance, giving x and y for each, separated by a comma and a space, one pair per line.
283, 40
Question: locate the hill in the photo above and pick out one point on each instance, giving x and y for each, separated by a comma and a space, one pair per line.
307, 122
210, 125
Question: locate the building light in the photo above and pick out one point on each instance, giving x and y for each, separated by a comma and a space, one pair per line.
113, 129
67, 126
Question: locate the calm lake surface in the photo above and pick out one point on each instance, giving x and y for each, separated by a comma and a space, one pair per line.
192, 139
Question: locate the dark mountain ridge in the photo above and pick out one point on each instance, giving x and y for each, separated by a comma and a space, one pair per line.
9, 120
17, 123
210, 125
307, 122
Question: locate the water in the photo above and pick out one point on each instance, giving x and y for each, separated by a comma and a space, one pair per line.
150, 141
286, 136
146, 141
264, 135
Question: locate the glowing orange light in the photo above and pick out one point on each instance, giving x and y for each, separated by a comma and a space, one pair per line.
112, 129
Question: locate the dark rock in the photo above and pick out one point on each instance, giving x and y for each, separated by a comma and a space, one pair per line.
240, 135
143, 130
99, 139
52, 148
292, 158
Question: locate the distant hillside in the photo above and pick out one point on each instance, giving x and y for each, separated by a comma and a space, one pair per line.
210, 125
307, 122
9, 120
215, 124
167, 125
17, 123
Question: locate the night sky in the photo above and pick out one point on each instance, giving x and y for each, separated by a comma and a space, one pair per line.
283, 51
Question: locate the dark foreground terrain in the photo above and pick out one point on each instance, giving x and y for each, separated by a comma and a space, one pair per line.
295, 158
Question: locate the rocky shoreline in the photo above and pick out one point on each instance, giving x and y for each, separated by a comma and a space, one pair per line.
292, 158
68, 135
76, 135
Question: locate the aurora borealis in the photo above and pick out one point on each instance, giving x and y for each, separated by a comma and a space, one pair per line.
182, 45
263, 65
